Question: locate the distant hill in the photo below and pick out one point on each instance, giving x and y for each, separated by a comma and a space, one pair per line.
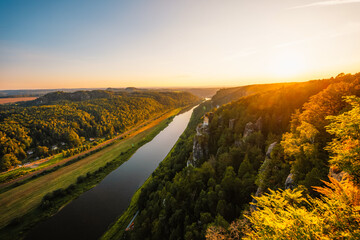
69, 96
227, 95
37, 92
58, 97
200, 92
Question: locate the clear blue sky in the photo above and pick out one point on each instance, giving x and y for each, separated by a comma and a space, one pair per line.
54, 44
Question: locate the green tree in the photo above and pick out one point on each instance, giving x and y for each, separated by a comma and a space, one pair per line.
42, 151
7, 161
345, 146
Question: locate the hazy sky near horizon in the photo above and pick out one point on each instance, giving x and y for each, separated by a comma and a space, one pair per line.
142, 43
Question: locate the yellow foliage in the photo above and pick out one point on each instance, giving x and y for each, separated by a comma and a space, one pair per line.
300, 141
345, 146
290, 214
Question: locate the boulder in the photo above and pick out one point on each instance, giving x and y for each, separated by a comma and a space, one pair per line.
270, 149
289, 182
252, 127
336, 173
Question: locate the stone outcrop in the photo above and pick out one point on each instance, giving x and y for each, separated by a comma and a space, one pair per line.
336, 173
265, 165
270, 149
289, 182
232, 124
251, 127
200, 145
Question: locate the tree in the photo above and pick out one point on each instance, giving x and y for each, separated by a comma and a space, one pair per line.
7, 161
300, 141
345, 147
42, 151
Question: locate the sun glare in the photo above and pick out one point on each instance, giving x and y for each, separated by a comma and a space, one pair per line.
287, 64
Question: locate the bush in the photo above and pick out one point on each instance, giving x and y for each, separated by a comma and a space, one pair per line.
59, 193
48, 196
45, 204
70, 188
80, 179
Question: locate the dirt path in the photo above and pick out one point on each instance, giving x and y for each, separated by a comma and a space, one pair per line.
135, 130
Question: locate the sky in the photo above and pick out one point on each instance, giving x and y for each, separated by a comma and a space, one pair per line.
177, 43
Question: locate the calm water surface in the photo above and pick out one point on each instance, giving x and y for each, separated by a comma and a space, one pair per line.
89, 216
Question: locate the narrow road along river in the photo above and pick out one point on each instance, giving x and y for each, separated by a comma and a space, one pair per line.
88, 216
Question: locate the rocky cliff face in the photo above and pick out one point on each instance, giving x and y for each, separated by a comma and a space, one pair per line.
252, 127
270, 149
289, 183
265, 165
200, 145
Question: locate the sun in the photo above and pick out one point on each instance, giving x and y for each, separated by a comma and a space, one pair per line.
287, 64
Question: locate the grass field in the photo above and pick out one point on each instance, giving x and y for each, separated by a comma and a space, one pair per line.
27, 197
18, 172
14, 100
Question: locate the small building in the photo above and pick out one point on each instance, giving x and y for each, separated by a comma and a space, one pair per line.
206, 121
30, 152
54, 147
207, 118
91, 139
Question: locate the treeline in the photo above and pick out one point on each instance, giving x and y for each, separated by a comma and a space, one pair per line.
60, 121
256, 143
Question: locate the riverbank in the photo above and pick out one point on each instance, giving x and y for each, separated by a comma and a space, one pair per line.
73, 180
117, 229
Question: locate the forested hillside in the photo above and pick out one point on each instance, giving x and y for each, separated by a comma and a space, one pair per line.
271, 139
227, 95
200, 92
61, 121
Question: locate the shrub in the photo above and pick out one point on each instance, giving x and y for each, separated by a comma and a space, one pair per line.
80, 179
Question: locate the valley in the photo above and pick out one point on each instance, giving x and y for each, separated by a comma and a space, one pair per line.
180, 120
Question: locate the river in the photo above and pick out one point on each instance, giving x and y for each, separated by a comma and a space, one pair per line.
89, 216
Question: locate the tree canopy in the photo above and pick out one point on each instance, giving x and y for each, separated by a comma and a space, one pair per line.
61, 121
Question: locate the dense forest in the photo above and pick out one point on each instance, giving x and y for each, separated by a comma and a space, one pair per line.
63, 121
285, 137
